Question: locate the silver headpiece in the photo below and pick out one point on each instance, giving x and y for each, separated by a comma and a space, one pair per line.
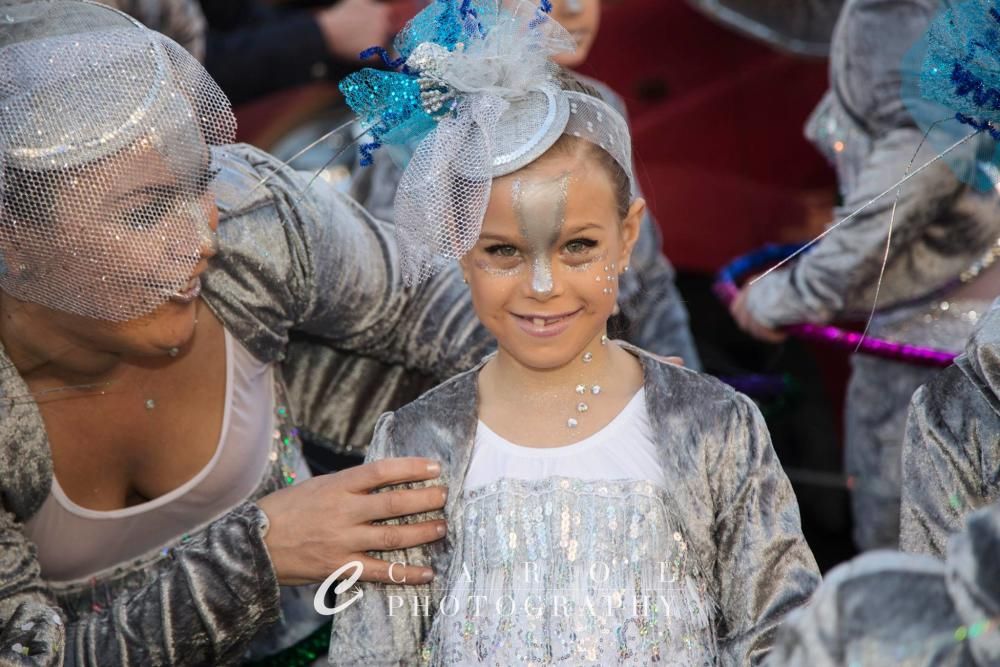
105, 128
488, 93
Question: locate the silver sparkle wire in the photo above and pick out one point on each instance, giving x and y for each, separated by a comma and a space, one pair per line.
867, 204
892, 219
286, 164
336, 155
20, 399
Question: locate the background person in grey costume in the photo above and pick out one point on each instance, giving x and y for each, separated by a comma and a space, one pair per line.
903, 609
951, 453
941, 229
284, 261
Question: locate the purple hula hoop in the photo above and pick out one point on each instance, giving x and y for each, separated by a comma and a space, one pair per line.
726, 289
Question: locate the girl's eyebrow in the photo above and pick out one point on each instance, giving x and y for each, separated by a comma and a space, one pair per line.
497, 237
581, 227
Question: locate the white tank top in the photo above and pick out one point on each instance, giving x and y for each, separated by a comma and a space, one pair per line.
75, 542
624, 449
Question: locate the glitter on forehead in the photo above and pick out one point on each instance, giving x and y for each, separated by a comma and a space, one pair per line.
540, 208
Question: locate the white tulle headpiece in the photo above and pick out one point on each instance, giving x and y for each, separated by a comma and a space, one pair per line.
476, 96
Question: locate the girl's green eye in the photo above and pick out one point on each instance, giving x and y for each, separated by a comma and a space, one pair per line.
502, 251
577, 246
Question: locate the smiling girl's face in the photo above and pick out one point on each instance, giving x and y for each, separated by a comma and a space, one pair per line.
544, 273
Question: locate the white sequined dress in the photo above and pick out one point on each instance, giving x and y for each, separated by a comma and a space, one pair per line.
570, 556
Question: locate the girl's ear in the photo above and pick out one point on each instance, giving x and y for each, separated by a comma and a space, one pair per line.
630, 230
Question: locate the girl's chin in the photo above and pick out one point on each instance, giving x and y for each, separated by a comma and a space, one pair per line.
541, 357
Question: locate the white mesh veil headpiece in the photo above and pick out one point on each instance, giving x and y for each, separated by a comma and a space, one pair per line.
105, 128
477, 84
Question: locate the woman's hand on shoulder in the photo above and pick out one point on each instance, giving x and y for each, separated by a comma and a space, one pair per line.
327, 521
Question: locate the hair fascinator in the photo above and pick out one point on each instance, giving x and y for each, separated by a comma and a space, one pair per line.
473, 96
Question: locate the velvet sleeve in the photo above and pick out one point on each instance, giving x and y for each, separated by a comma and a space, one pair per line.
763, 568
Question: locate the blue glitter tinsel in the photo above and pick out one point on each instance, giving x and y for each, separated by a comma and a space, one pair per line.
951, 85
388, 103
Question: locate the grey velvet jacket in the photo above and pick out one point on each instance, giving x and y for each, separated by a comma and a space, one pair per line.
737, 506
941, 226
287, 261
951, 453
905, 610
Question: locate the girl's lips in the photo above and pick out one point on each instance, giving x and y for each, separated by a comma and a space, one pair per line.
542, 326
189, 292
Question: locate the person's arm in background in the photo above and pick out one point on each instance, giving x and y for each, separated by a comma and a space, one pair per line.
950, 460
253, 50
939, 226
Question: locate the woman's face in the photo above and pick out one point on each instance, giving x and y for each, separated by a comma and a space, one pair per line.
582, 18
122, 250
544, 272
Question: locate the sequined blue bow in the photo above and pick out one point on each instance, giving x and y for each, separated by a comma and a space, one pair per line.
403, 104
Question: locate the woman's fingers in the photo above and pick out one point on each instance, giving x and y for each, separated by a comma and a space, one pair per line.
393, 573
391, 538
328, 519
370, 476
401, 502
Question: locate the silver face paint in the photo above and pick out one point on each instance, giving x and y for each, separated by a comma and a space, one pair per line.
574, 6
586, 266
495, 271
541, 212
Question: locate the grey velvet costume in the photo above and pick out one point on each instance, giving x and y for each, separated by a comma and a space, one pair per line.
287, 261
951, 453
941, 228
905, 610
800, 26
736, 509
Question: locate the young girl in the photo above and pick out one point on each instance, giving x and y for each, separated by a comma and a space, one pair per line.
603, 506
